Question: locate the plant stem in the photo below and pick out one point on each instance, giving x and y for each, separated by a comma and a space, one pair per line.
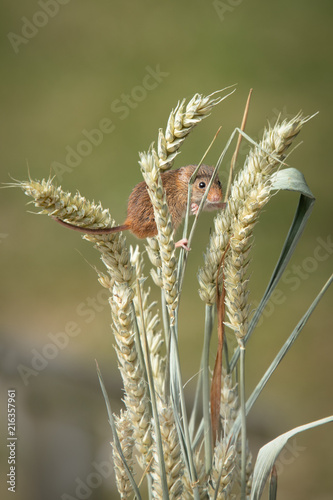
206, 389
243, 419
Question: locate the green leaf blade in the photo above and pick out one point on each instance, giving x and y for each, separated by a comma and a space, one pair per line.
269, 453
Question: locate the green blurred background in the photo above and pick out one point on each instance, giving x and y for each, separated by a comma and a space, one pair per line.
64, 77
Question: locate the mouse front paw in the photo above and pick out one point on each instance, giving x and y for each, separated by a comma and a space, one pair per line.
194, 208
183, 243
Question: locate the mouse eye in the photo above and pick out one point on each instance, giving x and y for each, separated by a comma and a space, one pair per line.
219, 184
202, 184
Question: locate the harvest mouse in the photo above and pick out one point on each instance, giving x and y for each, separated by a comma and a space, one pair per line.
140, 214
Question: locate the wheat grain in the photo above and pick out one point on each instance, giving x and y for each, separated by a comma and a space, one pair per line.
125, 434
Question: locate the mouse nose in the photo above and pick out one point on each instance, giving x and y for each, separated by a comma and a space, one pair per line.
214, 197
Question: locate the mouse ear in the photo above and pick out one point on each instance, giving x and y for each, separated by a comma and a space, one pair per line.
184, 173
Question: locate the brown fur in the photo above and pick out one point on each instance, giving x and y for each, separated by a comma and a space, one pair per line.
140, 213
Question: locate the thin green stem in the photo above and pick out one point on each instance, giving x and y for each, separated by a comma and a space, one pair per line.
208, 442
197, 400
243, 419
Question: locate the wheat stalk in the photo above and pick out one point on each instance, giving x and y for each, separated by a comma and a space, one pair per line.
243, 207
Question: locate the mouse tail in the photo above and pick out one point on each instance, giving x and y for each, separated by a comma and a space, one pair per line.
90, 230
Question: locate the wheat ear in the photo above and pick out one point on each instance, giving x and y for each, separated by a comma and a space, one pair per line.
55, 202
125, 434
255, 186
136, 391
149, 322
174, 465
181, 122
252, 181
163, 222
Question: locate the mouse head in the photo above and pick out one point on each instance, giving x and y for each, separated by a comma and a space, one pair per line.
214, 198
